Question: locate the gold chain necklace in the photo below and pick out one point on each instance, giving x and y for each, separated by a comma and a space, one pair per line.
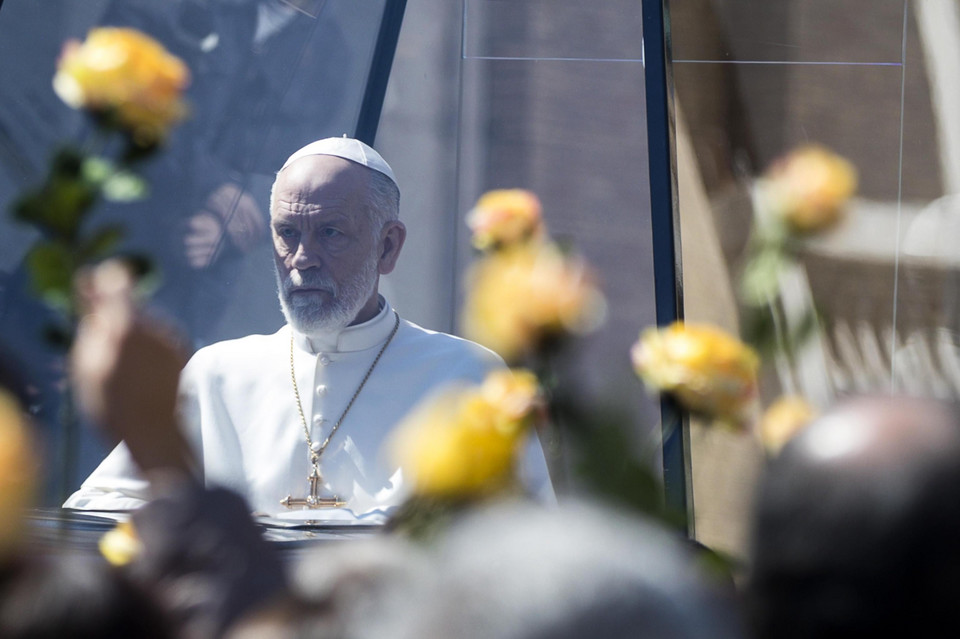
314, 500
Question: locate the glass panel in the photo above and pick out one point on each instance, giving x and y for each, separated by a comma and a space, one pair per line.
550, 29
418, 135
572, 131
874, 83
927, 312
266, 78
787, 31
589, 186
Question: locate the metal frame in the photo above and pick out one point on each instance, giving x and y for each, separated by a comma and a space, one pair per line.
368, 119
668, 281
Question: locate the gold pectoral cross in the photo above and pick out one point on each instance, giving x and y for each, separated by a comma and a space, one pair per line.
313, 500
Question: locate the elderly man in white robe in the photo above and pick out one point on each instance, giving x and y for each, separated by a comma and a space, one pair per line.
295, 421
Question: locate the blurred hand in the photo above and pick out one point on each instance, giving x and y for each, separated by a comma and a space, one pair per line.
125, 369
202, 239
244, 220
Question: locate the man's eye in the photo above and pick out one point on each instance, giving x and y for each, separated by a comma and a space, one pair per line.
286, 233
330, 232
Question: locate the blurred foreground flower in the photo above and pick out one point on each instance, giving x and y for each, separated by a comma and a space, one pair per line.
704, 368
807, 189
465, 442
505, 217
121, 545
782, 420
803, 193
122, 73
132, 87
520, 298
18, 472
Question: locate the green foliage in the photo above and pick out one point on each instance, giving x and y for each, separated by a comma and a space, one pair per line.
604, 458
116, 185
100, 244
59, 209
51, 265
761, 277
424, 519
772, 252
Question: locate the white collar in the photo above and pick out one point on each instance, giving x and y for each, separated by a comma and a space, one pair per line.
358, 337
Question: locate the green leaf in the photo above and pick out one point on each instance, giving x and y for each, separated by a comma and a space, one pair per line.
51, 267
116, 185
720, 566
67, 163
101, 244
68, 200
759, 330
604, 460
125, 186
136, 150
805, 329
97, 170
761, 277
58, 208
29, 208
423, 519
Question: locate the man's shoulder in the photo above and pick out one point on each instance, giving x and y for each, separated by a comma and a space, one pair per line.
231, 352
438, 344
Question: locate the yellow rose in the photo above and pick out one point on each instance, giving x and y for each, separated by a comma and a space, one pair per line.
505, 217
808, 189
121, 545
465, 442
783, 419
521, 296
514, 393
704, 368
18, 471
124, 72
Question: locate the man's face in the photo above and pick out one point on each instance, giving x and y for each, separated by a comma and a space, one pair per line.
325, 247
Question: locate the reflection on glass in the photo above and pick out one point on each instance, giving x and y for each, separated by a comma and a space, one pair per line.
267, 76
552, 100
874, 82
552, 29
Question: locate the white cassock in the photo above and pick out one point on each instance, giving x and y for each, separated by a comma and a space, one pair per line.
238, 406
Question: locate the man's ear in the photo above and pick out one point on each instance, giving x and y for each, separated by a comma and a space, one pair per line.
391, 241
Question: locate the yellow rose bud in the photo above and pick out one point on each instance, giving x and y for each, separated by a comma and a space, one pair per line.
808, 189
513, 392
465, 442
521, 296
783, 419
18, 472
505, 217
704, 368
124, 72
121, 545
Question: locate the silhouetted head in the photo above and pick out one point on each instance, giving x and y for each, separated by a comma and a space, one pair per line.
517, 571
62, 597
856, 525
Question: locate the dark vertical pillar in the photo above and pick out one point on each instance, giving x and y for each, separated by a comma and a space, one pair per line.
666, 236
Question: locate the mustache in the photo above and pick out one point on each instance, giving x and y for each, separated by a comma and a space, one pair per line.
308, 279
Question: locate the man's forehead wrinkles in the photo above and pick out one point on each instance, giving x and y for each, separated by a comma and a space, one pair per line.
311, 212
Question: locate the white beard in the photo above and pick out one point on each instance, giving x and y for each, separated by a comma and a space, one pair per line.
312, 314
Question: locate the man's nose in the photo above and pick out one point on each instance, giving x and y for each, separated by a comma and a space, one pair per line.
306, 256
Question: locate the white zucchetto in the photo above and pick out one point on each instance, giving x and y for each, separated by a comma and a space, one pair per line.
348, 149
